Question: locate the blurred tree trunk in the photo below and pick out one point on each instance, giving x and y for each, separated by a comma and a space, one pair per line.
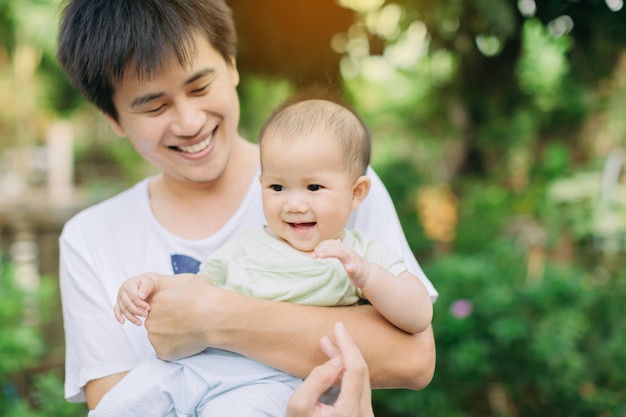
290, 38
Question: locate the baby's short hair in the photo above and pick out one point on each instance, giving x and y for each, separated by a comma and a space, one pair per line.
315, 112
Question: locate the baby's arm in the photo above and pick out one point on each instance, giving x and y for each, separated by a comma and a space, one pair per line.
131, 299
403, 299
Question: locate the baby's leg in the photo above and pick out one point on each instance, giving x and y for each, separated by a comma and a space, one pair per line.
149, 390
157, 388
263, 398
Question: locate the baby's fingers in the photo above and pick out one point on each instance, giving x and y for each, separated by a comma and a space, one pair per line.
331, 248
134, 318
132, 309
121, 314
118, 314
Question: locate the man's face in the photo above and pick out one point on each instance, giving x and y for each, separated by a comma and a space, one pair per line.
183, 119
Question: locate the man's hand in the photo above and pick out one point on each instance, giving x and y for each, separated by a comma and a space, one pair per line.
176, 323
347, 363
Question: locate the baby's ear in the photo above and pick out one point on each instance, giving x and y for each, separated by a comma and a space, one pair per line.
360, 189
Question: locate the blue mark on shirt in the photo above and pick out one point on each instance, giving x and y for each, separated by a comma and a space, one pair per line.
183, 264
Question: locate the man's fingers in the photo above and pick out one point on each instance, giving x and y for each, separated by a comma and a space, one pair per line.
347, 345
347, 362
329, 348
355, 383
319, 380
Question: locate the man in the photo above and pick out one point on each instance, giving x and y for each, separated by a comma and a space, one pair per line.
164, 74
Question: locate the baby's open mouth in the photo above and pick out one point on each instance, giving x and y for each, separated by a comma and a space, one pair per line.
306, 225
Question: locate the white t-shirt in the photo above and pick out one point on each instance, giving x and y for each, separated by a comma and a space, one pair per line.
120, 238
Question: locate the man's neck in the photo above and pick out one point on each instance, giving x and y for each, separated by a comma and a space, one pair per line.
197, 210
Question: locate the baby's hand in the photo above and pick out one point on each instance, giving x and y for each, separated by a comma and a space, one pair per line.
131, 298
357, 268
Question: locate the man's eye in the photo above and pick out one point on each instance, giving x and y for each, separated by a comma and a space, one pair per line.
200, 90
277, 187
314, 187
156, 110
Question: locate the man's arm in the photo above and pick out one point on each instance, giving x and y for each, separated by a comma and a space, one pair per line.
186, 320
95, 389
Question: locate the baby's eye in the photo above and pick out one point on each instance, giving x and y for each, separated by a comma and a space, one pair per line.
314, 187
277, 187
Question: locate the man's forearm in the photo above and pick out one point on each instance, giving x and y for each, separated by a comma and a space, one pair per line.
95, 389
185, 320
287, 336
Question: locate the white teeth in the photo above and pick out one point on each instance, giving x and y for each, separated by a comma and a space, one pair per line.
197, 147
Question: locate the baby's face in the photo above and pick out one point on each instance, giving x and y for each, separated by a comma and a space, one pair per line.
307, 192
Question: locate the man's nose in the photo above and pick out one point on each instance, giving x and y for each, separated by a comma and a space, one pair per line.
188, 119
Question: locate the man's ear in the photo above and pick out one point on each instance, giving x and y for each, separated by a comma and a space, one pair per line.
360, 189
117, 128
234, 72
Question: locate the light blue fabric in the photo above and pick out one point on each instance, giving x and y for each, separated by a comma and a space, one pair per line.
212, 383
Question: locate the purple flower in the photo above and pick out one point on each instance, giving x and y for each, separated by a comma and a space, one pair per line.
461, 308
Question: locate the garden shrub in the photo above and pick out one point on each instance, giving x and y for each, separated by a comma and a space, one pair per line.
512, 346
26, 388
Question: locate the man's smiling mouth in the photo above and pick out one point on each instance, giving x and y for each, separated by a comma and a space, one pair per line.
198, 147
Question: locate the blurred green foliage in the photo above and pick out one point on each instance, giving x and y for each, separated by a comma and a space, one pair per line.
527, 342
526, 348
18, 341
26, 388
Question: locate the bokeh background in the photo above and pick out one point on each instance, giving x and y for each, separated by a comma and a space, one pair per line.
499, 129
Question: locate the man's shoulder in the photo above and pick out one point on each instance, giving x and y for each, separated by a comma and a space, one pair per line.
117, 209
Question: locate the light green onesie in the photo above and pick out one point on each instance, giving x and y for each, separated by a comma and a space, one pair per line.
258, 265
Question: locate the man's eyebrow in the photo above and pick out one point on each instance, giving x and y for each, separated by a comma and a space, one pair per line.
144, 99
153, 96
200, 74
